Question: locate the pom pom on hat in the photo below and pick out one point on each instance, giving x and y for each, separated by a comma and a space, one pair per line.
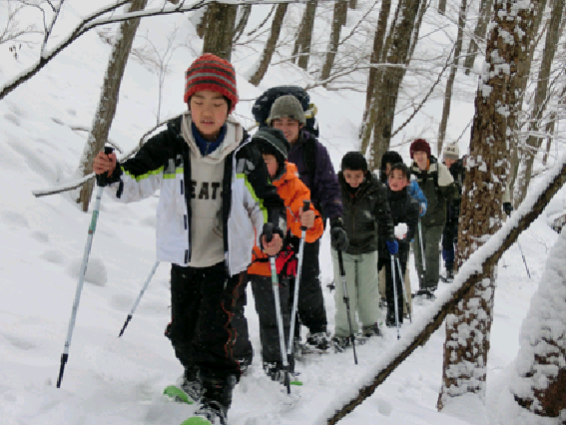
209, 72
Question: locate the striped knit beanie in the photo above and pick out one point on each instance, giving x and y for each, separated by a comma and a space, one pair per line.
209, 72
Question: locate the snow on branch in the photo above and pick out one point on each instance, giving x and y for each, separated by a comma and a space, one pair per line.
98, 18
68, 186
478, 264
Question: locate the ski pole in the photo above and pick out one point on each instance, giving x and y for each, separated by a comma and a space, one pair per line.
129, 317
268, 232
345, 298
92, 227
421, 245
523, 258
306, 204
403, 288
393, 273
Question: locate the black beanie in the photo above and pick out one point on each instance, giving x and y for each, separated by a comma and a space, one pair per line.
270, 140
390, 157
354, 160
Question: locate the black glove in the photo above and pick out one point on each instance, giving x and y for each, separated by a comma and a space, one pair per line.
268, 231
339, 239
507, 208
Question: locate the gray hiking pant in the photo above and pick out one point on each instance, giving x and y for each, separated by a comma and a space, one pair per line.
362, 289
431, 235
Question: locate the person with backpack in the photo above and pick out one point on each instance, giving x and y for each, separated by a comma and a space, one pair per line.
369, 226
214, 198
317, 173
274, 148
456, 167
404, 209
438, 186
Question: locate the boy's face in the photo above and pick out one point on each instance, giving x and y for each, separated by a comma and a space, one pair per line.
397, 180
353, 177
449, 162
420, 157
209, 111
271, 164
289, 127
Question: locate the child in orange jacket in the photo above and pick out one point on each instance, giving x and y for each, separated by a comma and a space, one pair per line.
274, 147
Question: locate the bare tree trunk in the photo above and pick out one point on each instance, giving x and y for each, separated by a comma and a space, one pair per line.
524, 75
485, 7
339, 18
442, 7
306, 34
245, 9
468, 327
108, 100
220, 28
539, 386
352, 4
533, 142
415, 34
270, 44
451, 79
550, 131
382, 113
202, 25
376, 54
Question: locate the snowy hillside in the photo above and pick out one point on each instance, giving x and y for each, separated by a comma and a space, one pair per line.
111, 380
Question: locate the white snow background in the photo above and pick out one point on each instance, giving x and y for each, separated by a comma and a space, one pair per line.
111, 380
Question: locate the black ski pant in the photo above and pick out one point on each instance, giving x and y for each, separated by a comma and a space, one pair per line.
310, 306
386, 263
264, 301
202, 305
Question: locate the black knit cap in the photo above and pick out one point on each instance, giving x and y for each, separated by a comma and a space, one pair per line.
270, 140
354, 160
401, 166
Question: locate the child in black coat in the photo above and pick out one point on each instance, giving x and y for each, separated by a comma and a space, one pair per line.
404, 210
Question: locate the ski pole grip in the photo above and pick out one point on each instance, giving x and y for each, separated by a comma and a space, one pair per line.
306, 205
101, 179
268, 231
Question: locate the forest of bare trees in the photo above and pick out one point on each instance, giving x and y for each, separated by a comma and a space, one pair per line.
509, 54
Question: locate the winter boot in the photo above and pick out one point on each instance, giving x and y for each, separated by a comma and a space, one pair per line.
276, 372
340, 343
216, 398
318, 340
191, 384
371, 330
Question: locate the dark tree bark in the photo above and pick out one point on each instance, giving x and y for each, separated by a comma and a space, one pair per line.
220, 29
376, 54
442, 7
533, 142
108, 100
339, 18
485, 7
468, 327
242, 21
302, 46
270, 45
451, 78
386, 93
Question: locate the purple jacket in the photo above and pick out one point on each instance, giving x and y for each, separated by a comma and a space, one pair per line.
323, 184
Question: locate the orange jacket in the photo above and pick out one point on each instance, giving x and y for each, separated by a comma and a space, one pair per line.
292, 191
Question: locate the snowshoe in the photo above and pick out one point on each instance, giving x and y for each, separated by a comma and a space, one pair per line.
318, 340
424, 294
177, 394
206, 415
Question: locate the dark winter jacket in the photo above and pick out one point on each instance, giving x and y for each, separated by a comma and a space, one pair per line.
438, 187
247, 195
457, 170
366, 215
404, 209
322, 182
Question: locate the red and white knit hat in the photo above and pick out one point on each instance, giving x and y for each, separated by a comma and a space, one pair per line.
209, 72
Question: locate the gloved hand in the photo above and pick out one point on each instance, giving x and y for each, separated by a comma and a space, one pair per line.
339, 239
507, 208
392, 246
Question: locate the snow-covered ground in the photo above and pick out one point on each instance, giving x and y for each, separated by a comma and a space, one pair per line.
111, 380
